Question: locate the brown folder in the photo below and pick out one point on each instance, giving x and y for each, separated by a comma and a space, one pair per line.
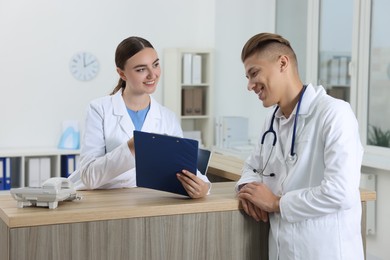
198, 101
187, 101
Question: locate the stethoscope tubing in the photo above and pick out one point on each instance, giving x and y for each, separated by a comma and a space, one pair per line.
292, 153
271, 129
292, 156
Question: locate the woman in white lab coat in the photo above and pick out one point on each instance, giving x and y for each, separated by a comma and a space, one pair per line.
107, 154
312, 198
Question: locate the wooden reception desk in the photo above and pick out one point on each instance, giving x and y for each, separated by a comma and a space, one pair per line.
133, 223
139, 223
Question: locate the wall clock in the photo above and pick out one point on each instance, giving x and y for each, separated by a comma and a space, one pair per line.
84, 66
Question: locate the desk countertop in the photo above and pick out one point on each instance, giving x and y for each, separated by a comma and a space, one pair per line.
134, 202
117, 204
229, 167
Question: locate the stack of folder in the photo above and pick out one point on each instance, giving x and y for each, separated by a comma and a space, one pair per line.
191, 69
192, 101
38, 170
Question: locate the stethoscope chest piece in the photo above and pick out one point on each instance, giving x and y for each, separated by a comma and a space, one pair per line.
292, 159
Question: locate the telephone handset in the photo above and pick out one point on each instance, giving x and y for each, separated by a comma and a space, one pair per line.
52, 191
57, 183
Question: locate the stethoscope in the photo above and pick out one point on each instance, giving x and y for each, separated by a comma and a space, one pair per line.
292, 156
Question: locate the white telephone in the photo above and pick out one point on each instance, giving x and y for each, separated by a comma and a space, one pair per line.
52, 191
57, 183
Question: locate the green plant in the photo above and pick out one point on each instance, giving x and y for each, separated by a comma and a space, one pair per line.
378, 137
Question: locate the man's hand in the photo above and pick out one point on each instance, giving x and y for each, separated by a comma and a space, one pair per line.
253, 211
260, 196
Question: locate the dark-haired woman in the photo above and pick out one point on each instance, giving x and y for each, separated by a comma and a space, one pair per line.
107, 153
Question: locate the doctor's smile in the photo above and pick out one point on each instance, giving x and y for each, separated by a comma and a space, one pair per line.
260, 94
307, 192
150, 82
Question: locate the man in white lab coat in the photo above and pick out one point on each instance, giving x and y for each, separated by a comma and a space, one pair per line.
304, 174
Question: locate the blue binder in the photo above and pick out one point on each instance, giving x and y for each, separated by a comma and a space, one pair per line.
68, 164
7, 174
159, 157
2, 173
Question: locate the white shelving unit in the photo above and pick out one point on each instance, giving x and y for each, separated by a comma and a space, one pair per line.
174, 85
19, 158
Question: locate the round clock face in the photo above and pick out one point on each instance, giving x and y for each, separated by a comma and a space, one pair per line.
84, 66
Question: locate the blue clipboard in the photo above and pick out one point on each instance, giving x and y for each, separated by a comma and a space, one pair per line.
159, 157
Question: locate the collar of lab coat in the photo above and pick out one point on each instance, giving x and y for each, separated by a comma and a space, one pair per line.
307, 99
119, 109
310, 96
311, 93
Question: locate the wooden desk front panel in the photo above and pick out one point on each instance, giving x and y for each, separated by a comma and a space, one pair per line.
214, 235
4, 231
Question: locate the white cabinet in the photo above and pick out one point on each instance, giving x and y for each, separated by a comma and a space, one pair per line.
32, 166
188, 88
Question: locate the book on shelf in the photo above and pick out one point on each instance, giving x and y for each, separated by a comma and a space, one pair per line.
191, 69
197, 101
187, 68
187, 101
196, 69
68, 164
192, 102
5, 173
2, 173
38, 171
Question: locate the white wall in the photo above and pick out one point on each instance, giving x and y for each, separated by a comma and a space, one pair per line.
293, 26
39, 37
236, 22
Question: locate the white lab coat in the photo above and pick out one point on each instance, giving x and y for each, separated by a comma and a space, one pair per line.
106, 161
320, 203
